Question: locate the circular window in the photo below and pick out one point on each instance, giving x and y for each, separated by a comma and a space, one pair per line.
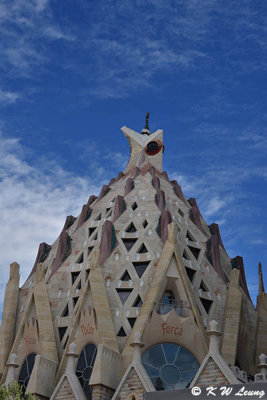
84, 368
169, 366
153, 147
26, 370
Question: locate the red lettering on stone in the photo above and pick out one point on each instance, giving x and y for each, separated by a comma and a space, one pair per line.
171, 330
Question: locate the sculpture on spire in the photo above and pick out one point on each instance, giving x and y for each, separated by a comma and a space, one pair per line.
146, 130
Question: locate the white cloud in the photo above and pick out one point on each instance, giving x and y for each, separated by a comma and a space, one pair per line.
214, 205
33, 205
8, 97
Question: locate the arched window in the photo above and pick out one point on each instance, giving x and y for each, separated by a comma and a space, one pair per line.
26, 370
169, 366
84, 368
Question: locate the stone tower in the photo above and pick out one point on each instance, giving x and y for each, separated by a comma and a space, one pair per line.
131, 287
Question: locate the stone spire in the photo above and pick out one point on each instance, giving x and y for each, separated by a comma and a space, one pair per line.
146, 148
261, 284
146, 130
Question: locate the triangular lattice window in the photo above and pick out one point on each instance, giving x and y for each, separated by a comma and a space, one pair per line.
194, 251
190, 273
61, 332
98, 218
74, 301
128, 243
140, 267
65, 312
121, 332
138, 302
132, 321
203, 287
126, 276
190, 237
124, 294
206, 304
131, 228
145, 223
74, 276
134, 206
80, 259
142, 249
91, 230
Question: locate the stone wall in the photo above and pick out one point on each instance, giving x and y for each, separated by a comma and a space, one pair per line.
211, 375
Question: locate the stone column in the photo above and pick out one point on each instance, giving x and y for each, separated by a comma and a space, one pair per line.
262, 376
7, 330
71, 359
214, 335
12, 364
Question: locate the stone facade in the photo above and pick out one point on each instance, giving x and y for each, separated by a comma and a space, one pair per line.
106, 279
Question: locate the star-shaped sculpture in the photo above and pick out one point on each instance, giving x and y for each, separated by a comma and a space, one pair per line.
145, 148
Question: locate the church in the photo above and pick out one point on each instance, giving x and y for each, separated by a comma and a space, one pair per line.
136, 295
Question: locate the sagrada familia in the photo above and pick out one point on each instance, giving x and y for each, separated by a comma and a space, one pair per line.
136, 295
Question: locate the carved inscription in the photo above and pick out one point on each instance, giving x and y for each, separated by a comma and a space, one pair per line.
171, 330
87, 329
30, 340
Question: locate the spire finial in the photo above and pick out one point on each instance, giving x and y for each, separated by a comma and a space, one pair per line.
146, 130
261, 284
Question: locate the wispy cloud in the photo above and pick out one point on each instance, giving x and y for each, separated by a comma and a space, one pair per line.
34, 203
8, 97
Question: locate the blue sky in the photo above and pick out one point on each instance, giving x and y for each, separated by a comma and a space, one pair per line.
73, 72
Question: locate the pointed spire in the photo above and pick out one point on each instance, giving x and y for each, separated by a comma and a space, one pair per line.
261, 284
146, 130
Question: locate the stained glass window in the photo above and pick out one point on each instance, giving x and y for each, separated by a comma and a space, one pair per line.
26, 370
170, 366
84, 368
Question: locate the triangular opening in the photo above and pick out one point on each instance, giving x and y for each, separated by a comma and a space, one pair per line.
121, 332
107, 210
109, 213
194, 251
80, 259
145, 223
131, 228
124, 294
138, 302
206, 304
132, 321
185, 255
142, 249
203, 287
181, 212
190, 273
74, 276
66, 341
61, 332
98, 218
140, 267
89, 251
79, 285
87, 272
128, 243
190, 237
74, 301
126, 276
134, 206
95, 237
91, 230
65, 312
